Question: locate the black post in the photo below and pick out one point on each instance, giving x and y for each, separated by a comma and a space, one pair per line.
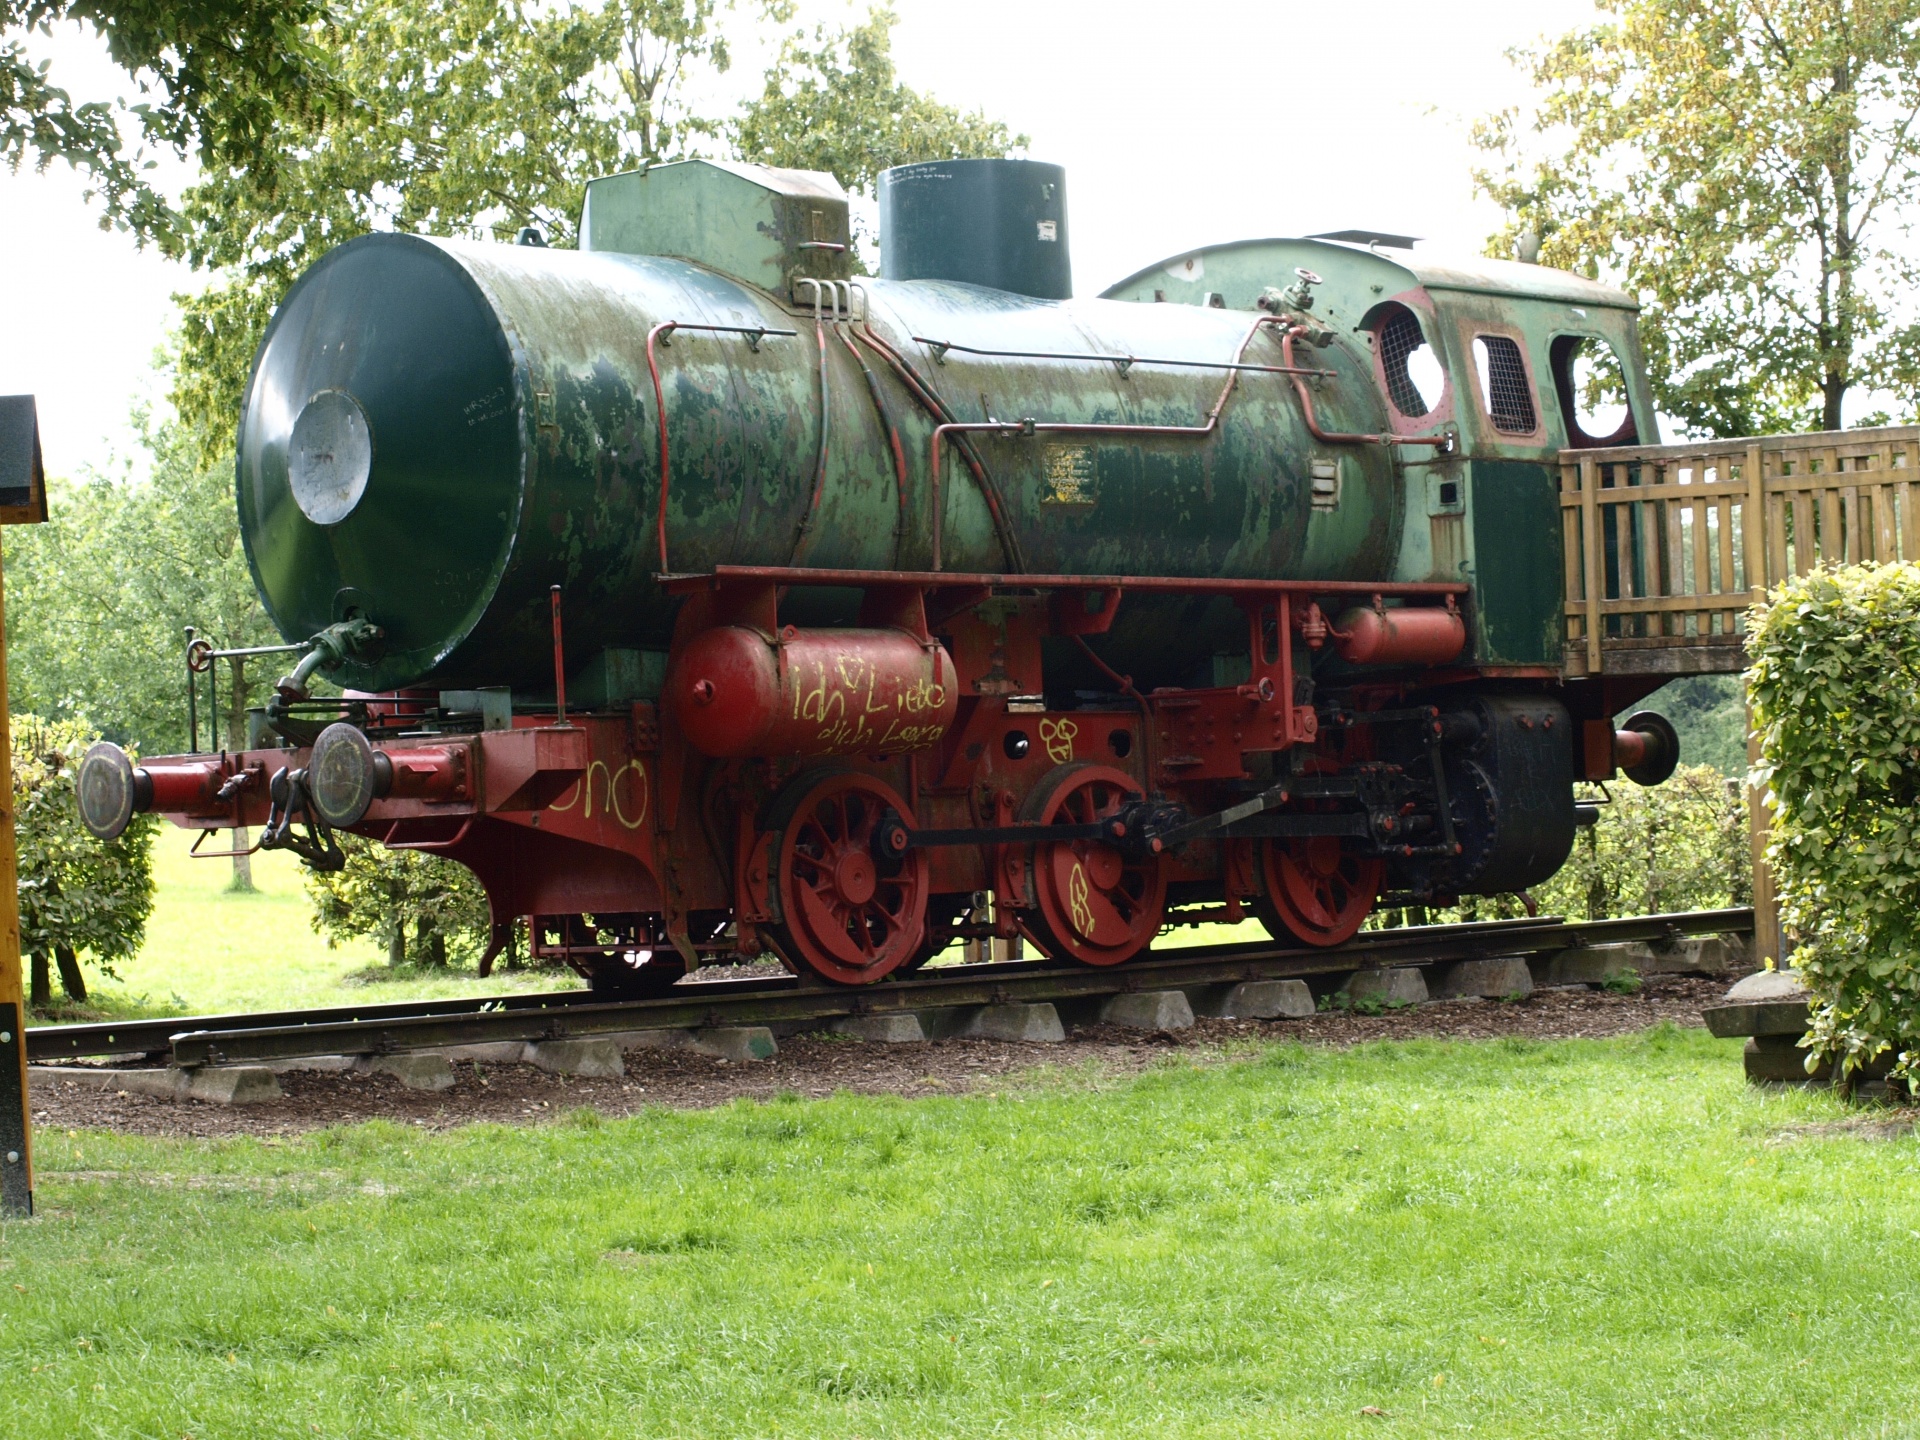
16, 1177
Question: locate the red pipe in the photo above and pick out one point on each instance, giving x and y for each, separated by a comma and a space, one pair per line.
934, 406
1010, 428
560, 658
1336, 437
892, 430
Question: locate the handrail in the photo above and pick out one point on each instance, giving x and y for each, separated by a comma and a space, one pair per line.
662, 334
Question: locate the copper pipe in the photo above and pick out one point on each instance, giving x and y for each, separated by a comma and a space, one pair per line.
892, 432
1011, 428
934, 406
1334, 437
559, 661
1125, 362
826, 414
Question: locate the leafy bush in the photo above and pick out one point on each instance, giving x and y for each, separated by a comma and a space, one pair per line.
402, 898
77, 895
1835, 686
1680, 845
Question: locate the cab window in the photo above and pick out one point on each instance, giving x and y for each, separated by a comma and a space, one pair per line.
1416, 382
1504, 387
1591, 384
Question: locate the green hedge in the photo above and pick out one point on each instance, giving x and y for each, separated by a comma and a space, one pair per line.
1835, 687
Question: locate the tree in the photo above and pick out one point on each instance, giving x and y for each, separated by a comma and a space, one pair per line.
463, 118
389, 894
1748, 167
223, 73
77, 895
834, 102
103, 596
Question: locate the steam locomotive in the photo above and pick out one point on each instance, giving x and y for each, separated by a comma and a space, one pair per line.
707, 599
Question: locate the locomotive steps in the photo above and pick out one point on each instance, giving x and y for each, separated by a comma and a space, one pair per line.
233, 1059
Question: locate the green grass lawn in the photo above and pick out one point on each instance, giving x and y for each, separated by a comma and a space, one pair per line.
210, 950
1588, 1238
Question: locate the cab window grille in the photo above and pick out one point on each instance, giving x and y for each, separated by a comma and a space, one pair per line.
1503, 381
1398, 337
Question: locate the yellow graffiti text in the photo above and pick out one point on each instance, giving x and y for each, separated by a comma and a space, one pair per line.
1057, 736
1077, 893
611, 784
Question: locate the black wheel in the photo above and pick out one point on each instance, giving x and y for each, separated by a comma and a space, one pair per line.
636, 974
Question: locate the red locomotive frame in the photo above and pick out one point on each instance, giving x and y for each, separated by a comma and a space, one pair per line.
854, 850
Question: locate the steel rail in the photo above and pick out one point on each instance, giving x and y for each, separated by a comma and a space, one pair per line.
155, 1037
578, 1014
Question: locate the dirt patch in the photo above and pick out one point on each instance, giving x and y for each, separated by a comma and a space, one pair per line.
1888, 1125
815, 1065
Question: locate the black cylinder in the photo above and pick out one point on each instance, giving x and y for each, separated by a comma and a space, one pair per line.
1000, 223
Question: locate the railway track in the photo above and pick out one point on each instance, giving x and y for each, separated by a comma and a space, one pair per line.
429, 1024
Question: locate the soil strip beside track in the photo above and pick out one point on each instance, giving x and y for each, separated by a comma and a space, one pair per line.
815, 1066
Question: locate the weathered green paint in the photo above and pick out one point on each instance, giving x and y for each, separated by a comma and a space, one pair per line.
764, 225
1518, 586
1503, 530
515, 447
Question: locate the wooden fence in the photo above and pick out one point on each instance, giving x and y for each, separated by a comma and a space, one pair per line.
1667, 545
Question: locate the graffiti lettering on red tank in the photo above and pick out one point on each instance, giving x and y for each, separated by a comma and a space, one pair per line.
862, 709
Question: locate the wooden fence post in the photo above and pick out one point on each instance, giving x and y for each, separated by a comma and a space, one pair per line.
23, 501
1766, 904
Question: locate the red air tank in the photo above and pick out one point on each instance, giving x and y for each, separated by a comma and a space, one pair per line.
1403, 635
736, 693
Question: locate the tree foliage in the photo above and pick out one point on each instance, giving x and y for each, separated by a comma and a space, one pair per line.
1835, 686
78, 896
407, 900
221, 74
834, 102
461, 117
100, 597
1748, 167
475, 117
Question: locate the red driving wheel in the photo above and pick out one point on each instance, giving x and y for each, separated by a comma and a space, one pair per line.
843, 912
1092, 902
1314, 890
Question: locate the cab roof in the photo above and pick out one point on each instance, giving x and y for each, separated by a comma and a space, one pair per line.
1478, 274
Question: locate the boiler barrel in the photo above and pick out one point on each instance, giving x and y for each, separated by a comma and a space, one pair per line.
436, 432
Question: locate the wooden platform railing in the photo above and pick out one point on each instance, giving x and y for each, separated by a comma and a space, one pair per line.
1667, 545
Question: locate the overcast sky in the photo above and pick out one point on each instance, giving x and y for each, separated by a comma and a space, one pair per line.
1181, 124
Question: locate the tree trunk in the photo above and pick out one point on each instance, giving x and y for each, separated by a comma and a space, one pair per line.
71, 980
397, 947
429, 944
242, 882
41, 996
